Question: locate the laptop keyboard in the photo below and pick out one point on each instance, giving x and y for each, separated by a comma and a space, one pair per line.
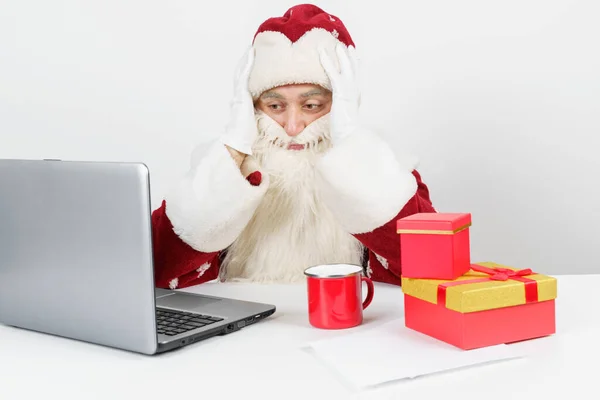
173, 322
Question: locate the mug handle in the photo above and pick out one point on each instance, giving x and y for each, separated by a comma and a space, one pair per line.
370, 290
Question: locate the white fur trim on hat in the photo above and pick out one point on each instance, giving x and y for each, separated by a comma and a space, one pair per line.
280, 62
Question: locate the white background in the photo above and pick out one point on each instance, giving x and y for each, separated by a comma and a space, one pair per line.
499, 99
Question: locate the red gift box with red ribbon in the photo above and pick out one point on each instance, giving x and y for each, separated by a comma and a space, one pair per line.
491, 304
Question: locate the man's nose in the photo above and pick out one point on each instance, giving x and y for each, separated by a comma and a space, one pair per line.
294, 124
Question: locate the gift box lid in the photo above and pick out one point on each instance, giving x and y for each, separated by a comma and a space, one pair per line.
431, 223
499, 286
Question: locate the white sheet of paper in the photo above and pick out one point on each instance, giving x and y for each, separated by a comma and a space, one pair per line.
392, 352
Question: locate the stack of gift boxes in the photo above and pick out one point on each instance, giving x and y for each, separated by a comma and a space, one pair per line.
469, 305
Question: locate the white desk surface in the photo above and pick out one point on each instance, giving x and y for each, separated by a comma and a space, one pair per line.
267, 361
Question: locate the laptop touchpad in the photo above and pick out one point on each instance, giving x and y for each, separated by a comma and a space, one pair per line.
185, 301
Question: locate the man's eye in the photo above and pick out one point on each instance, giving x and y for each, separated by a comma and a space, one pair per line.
275, 107
312, 106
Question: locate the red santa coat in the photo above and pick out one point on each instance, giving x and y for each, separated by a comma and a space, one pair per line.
191, 234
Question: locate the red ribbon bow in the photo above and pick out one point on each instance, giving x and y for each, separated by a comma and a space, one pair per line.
501, 274
495, 274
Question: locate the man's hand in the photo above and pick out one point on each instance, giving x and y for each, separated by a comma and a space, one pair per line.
241, 131
238, 157
346, 92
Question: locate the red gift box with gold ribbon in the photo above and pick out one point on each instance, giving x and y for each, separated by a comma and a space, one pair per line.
435, 245
491, 304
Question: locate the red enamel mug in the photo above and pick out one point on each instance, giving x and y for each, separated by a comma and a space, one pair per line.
335, 295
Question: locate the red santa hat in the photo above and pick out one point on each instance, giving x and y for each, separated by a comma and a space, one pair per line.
286, 48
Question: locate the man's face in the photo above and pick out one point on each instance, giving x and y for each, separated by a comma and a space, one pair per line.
294, 107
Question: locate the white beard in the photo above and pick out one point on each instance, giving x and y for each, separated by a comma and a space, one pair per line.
291, 229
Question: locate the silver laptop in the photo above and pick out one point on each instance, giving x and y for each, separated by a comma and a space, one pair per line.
76, 261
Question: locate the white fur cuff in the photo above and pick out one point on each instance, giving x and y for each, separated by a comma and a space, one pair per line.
211, 206
363, 183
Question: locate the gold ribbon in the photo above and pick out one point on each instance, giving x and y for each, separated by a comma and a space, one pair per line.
433, 232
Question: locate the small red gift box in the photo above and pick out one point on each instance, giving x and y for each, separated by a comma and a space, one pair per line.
492, 304
435, 245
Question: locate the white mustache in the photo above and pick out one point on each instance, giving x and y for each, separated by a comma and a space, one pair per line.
271, 134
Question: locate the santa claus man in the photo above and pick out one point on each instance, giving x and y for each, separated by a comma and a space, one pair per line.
294, 180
